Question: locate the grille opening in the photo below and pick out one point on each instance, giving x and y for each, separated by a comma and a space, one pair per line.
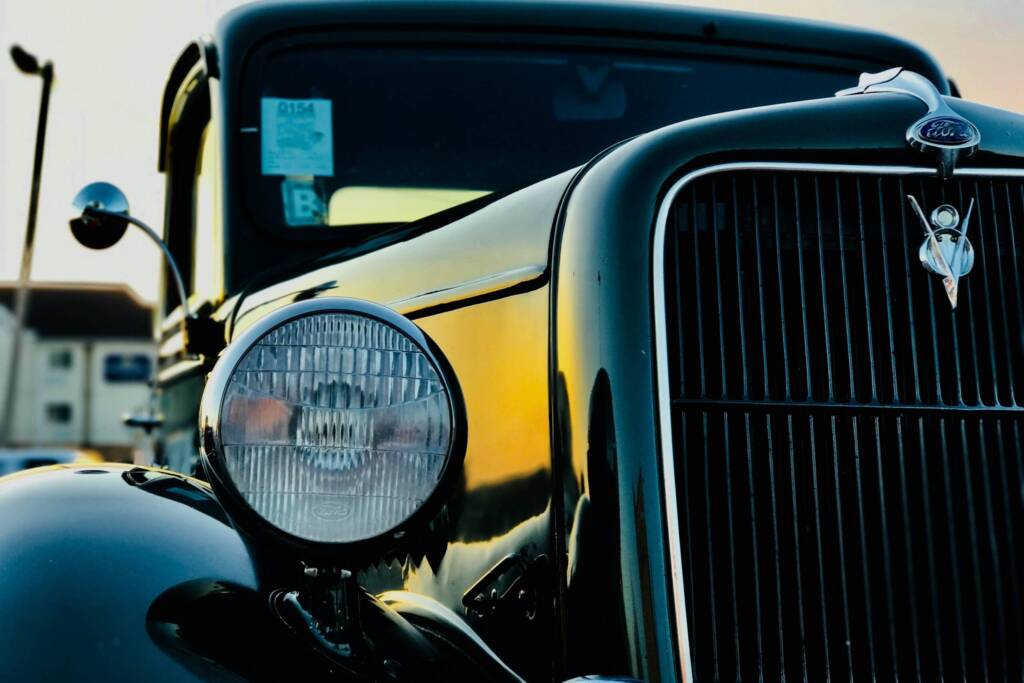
848, 450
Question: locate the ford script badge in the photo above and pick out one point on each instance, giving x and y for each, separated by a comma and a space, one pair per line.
947, 131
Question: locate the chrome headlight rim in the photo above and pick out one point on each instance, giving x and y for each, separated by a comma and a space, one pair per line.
241, 513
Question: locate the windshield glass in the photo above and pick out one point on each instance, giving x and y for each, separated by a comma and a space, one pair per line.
344, 136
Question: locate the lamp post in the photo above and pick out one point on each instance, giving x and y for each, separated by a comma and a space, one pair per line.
29, 65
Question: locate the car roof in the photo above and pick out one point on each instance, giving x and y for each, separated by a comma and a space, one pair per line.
253, 23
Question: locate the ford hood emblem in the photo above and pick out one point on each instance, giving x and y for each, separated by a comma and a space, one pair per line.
947, 131
941, 130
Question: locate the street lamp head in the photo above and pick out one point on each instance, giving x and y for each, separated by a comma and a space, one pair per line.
25, 62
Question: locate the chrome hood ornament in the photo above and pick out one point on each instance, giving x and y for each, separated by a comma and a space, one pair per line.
941, 130
946, 251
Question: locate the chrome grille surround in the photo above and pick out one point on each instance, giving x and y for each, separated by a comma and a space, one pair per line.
663, 355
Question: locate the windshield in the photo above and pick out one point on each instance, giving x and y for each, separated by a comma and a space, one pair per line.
345, 136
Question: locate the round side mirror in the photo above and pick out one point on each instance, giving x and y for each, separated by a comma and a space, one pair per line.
102, 216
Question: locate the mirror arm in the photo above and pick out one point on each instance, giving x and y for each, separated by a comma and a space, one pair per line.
179, 283
102, 220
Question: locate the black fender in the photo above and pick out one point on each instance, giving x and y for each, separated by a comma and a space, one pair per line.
86, 551
126, 573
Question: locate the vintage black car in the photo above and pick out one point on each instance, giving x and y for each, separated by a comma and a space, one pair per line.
528, 341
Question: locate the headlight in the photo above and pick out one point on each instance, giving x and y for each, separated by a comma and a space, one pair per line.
333, 420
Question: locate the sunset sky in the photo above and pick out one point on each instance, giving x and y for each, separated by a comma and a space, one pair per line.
112, 58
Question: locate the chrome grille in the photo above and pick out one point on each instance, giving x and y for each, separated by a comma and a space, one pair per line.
847, 447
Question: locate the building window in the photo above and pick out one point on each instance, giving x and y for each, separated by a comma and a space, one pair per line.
61, 359
127, 367
58, 413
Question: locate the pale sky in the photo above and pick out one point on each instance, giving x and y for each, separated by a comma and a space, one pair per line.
113, 56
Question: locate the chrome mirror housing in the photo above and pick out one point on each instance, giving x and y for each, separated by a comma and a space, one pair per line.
102, 216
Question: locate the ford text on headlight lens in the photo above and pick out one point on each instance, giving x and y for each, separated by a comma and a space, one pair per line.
334, 426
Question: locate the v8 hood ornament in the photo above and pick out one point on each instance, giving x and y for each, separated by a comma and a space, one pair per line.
941, 130
946, 251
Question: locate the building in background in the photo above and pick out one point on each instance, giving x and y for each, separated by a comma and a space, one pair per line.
87, 358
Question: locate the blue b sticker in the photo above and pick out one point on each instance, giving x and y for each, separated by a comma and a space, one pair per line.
296, 137
302, 202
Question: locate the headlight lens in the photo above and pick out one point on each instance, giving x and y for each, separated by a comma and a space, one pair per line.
334, 426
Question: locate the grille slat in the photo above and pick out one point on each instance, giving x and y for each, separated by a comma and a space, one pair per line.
802, 289
886, 553
781, 631
848, 655
1017, 284
755, 555
866, 283
1002, 294
823, 582
908, 550
825, 328
698, 297
975, 363
797, 573
883, 238
718, 291
915, 377
953, 552
681, 286
850, 470
976, 570
732, 542
763, 321
844, 289
787, 395
739, 291
866, 604
1009, 536
933, 574
710, 545
684, 493
979, 240
993, 545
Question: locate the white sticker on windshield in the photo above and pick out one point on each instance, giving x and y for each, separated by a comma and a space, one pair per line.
296, 137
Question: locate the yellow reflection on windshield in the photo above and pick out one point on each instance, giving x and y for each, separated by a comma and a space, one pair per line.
358, 204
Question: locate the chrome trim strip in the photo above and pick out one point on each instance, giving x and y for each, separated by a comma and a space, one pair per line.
179, 369
466, 290
413, 306
992, 172
172, 347
661, 350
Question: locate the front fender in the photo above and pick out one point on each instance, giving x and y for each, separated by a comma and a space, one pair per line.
121, 573
86, 551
